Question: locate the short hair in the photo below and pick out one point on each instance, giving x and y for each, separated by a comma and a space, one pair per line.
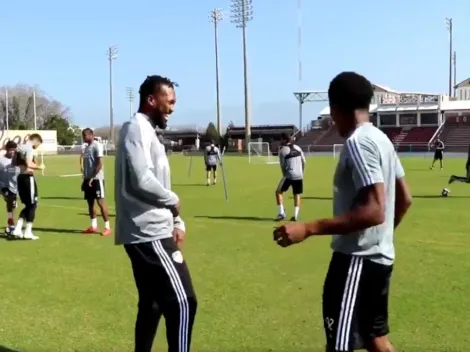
35, 136
87, 130
285, 137
350, 91
153, 84
11, 145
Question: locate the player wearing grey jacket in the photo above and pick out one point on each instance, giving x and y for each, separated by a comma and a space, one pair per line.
148, 222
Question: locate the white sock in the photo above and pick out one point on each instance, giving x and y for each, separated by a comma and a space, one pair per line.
106, 225
19, 224
208, 180
281, 209
94, 223
296, 212
29, 227
10, 215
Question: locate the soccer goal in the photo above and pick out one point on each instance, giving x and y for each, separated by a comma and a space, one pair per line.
260, 153
337, 148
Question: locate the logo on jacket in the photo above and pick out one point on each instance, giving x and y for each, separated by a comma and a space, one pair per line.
177, 257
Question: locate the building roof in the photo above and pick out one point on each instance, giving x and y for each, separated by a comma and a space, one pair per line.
326, 110
385, 88
456, 105
465, 81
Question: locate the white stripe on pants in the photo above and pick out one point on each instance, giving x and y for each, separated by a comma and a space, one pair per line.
348, 304
180, 293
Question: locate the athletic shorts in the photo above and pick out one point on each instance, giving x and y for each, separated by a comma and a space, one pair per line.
285, 184
211, 168
438, 155
95, 191
27, 189
8, 195
355, 302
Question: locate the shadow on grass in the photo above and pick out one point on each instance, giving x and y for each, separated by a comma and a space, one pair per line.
6, 349
98, 215
315, 198
429, 196
189, 185
56, 230
249, 218
62, 198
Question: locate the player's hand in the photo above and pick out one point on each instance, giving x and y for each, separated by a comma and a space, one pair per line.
178, 236
289, 234
41, 167
90, 183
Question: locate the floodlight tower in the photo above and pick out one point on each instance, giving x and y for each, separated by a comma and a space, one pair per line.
242, 13
454, 61
112, 55
216, 15
130, 97
449, 24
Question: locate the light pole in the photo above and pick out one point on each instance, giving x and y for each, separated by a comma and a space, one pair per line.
112, 55
454, 62
130, 97
216, 15
242, 13
7, 108
449, 24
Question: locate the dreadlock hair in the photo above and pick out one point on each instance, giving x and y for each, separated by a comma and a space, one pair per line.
153, 84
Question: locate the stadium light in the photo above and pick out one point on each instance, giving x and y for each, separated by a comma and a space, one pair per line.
130, 97
454, 61
215, 16
242, 13
112, 55
449, 24
7, 108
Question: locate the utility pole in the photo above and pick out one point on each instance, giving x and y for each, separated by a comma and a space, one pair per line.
7, 112
130, 97
112, 55
454, 61
216, 15
242, 13
449, 24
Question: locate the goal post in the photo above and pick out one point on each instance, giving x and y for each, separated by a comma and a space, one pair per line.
260, 153
337, 148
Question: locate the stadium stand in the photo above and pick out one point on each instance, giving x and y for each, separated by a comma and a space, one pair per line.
419, 135
392, 132
456, 136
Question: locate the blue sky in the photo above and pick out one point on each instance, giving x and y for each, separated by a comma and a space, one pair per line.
61, 45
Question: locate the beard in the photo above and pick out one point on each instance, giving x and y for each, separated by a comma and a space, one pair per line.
159, 119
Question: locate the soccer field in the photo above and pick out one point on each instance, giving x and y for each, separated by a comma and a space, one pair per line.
70, 292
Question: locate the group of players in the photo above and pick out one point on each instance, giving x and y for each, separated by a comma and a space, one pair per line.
17, 167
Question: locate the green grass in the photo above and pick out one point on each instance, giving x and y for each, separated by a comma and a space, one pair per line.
69, 292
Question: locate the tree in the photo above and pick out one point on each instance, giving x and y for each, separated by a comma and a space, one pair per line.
21, 107
65, 134
211, 133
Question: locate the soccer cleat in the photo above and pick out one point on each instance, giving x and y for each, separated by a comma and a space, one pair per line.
451, 179
106, 232
280, 217
16, 234
431, 167
293, 218
91, 230
30, 236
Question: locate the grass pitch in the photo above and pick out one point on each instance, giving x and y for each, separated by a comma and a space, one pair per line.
70, 292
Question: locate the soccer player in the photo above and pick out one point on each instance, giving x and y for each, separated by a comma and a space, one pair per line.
93, 182
292, 161
27, 187
438, 153
148, 222
370, 198
212, 158
8, 180
464, 179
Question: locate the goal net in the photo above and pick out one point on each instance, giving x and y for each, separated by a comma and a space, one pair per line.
260, 153
337, 148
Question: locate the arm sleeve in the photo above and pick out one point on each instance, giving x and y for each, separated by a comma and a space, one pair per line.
29, 154
144, 184
99, 150
365, 162
178, 223
399, 171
